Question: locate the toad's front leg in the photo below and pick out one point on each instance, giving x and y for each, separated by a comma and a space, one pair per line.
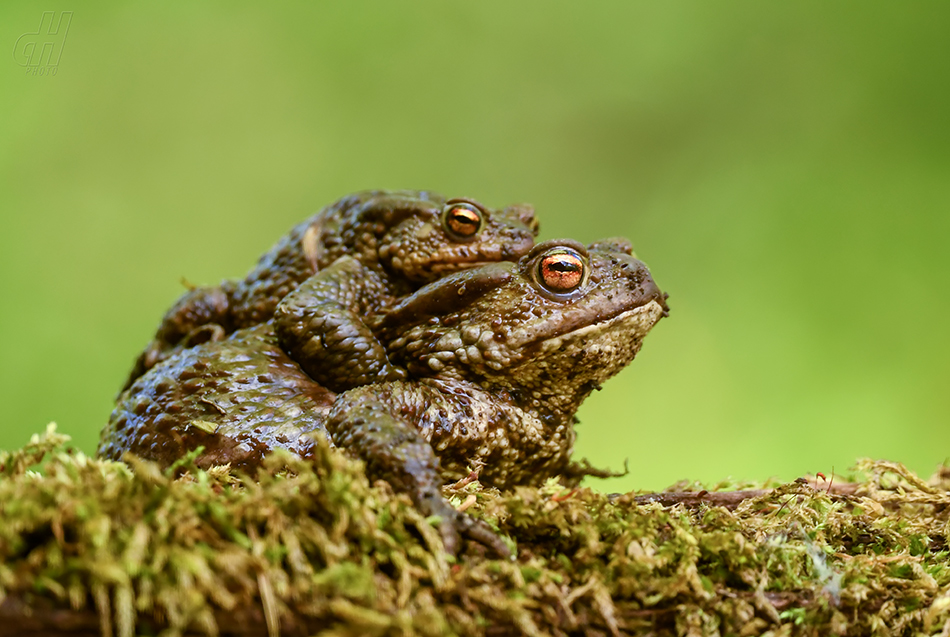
321, 325
376, 423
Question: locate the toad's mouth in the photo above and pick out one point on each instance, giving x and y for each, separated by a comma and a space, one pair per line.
630, 325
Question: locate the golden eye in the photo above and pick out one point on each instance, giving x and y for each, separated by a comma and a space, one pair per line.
561, 270
462, 220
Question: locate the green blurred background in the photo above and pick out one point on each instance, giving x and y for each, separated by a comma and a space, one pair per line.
784, 169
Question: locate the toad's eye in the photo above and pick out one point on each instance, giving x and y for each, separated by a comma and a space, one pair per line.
462, 220
561, 270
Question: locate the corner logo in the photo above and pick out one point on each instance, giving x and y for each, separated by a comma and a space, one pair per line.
39, 52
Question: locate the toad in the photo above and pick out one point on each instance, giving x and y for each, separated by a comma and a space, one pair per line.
498, 360
394, 241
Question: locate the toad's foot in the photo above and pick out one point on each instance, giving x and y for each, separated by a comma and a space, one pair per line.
455, 525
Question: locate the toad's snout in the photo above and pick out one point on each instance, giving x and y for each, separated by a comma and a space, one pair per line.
641, 283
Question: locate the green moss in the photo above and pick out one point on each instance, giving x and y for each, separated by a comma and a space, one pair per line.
315, 545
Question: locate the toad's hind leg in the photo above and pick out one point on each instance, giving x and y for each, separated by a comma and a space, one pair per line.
239, 398
367, 421
198, 316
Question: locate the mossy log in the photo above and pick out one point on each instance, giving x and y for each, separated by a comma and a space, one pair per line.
90, 547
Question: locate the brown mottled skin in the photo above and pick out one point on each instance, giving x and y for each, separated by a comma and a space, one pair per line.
499, 358
391, 243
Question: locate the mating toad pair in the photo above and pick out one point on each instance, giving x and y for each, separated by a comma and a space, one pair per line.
427, 336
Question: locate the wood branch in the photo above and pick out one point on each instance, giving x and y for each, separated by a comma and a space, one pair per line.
732, 499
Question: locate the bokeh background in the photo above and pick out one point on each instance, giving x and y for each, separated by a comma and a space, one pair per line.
784, 168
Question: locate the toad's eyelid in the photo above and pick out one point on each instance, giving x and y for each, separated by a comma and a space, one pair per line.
551, 245
470, 202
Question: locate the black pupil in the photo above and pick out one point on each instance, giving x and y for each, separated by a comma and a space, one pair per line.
564, 265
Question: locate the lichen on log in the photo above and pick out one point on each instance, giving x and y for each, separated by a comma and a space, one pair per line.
90, 547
